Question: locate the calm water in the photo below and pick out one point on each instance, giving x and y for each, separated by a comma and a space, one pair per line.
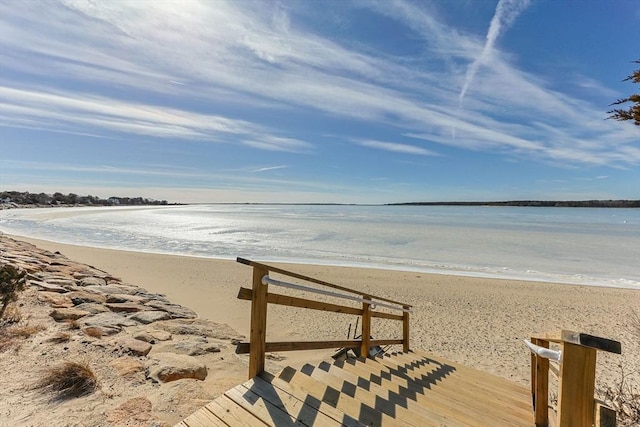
568, 245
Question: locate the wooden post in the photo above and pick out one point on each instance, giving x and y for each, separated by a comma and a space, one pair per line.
258, 334
576, 404
540, 386
366, 328
405, 329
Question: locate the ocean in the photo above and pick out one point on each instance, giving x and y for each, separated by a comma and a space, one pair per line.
588, 246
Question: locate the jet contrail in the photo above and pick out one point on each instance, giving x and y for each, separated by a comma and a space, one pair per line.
506, 13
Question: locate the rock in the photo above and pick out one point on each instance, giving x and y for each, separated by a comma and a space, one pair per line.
160, 335
108, 320
81, 297
144, 336
166, 367
176, 311
49, 287
147, 317
93, 308
117, 298
55, 300
126, 307
132, 345
189, 347
92, 281
112, 289
95, 331
133, 412
201, 327
127, 366
62, 314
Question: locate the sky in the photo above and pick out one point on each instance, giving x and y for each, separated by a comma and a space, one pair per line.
319, 101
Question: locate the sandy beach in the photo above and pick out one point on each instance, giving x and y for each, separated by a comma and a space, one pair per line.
477, 321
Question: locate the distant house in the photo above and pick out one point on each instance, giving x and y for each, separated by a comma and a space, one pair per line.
113, 201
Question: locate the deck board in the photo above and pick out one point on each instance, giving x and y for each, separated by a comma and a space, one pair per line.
404, 389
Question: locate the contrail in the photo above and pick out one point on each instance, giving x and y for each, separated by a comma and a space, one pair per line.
506, 13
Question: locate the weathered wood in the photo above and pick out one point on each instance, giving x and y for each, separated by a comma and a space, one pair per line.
541, 395
578, 338
258, 333
366, 328
576, 405
244, 348
245, 294
310, 279
232, 414
405, 330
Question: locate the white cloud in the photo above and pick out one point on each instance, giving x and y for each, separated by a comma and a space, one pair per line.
395, 147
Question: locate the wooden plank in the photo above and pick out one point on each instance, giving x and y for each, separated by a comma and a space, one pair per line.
403, 400
295, 407
366, 329
261, 409
310, 279
278, 299
245, 347
605, 416
445, 402
405, 330
313, 402
341, 401
203, 418
473, 395
579, 338
258, 332
541, 396
233, 414
576, 386
383, 315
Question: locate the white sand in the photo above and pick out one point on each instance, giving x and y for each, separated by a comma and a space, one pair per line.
477, 321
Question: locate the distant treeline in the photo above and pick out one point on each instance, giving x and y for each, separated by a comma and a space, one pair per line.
541, 203
42, 199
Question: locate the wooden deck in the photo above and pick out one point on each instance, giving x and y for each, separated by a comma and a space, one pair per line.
404, 389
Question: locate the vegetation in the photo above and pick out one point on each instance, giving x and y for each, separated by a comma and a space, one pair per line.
12, 281
538, 203
42, 199
70, 379
624, 398
12, 336
633, 112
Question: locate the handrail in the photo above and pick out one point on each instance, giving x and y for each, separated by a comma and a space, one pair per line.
312, 280
260, 298
576, 380
268, 280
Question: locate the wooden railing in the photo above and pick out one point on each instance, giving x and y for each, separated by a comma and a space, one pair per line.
577, 405
260, 297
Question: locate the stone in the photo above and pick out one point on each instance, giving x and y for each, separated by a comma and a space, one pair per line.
93, 308
118, 298
127, 365
176, 311
48, 287
94, 331
159, 335
62, 314
92, 281
132, 345
81, 297
167, 367
111, 289
144, 336
55, 300
109, 320
200, 327
147, 317
126, 307
189, 347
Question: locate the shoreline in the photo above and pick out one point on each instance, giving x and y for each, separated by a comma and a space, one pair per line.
480, 322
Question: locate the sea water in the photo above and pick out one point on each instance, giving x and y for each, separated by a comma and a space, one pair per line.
588, 246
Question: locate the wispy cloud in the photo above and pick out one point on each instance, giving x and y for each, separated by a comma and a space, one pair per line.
260, 58
395, 147
270, 168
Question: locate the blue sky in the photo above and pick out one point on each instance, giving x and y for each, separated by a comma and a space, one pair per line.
309, 101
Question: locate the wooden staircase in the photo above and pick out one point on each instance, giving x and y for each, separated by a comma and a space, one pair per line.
403, 389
